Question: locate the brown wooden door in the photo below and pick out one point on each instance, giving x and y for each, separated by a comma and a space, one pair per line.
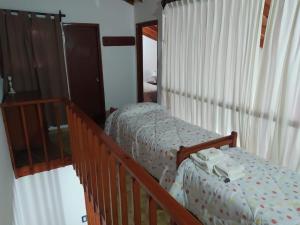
84, 63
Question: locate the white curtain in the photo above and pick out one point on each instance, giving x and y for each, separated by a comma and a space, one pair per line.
210, 49
276, 108
215, 75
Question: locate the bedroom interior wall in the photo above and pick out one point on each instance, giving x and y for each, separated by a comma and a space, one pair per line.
116, 18
6, 177
149, 57
146, 11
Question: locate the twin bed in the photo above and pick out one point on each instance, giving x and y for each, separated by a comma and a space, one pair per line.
162, 145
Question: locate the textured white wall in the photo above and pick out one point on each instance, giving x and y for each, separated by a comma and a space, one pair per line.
149, 57
6, 178
147, 10
49, 198
116, 18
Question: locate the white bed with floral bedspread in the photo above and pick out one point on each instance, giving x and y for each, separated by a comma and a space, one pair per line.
152, 137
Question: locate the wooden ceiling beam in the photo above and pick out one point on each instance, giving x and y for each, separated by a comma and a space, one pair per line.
150, 32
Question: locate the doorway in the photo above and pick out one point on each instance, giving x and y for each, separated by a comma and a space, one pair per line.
146, 39
83, 54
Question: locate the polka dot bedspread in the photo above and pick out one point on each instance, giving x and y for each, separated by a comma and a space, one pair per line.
267, 195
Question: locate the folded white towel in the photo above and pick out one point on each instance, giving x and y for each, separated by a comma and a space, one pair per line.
229, 168
207, 166
210, 154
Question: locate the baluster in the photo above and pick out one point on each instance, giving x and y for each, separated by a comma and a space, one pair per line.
152, 211
136, 202
94, 171
89, 162
100, 189
113, 189
84, 155
76, 140
80, 160
123, 193
59, 132
42, 129
25, 130
105, 175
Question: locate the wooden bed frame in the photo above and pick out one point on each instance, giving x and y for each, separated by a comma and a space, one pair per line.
185, 152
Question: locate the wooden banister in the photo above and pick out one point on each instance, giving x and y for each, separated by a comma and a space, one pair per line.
26, 132
112, 167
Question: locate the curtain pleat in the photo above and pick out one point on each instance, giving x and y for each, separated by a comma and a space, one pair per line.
216, 76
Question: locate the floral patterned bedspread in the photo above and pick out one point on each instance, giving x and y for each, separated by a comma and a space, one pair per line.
267, 195
153, 137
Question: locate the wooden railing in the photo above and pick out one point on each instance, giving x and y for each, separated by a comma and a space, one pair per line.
103, 168
33, 146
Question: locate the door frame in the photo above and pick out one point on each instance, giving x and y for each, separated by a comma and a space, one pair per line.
139, 57
100, 64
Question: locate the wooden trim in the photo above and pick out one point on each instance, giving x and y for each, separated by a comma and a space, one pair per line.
123, 197
41, 167
33, 102
151, 32
152, 212
118, 41
139, 57
185, 152
136, 202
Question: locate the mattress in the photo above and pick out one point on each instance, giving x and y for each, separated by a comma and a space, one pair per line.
266, 195
152, 137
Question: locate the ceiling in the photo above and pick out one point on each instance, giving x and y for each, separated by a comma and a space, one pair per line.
150, 32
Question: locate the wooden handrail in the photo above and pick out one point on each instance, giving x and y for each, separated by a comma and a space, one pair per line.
33, 102
105, 153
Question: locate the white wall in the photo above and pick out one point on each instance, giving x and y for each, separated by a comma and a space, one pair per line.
149, 57
49, 198
147, 10
116, 18
6, 178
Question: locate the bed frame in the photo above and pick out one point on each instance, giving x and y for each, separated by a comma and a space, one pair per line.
185, 152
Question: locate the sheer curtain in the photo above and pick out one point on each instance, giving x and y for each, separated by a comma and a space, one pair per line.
215, 75
276, 125
210, 49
